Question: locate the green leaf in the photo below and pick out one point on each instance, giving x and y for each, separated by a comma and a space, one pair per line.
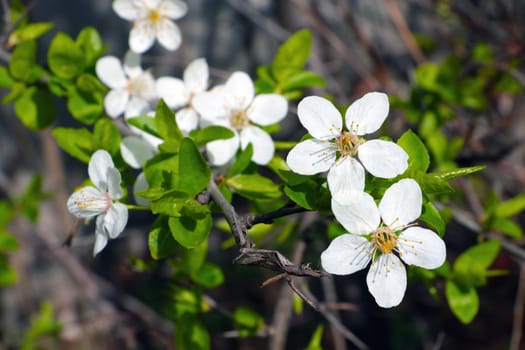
22, 65
78, 143
292, 55
247, 321
191, 260
471, 265
194, 209
60, 87
430, 183
36, 108
90, 42
144, 123
211, 133
86, 107
315, 340
507, 227
165, 123
190, 232
463, 301
106, 136
432, 218
195, 173
162, 170
8, 242
209, 275
242, 161
190, 333
451, 174
170, 203
302, 80
29, 31
43, 324
160, 241
8, 275
6, 81
416, 150
254, 186
6, 212
89, 83
510, 207
30, 200
15, 93
65, 58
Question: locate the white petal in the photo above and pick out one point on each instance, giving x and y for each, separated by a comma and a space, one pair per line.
173, 9
345, 176
187, 120
115, 102
357, 212
141, 183
150, 4
98, 167
168, 34
87, 202
262, 143
346, 254
132, 65
367, 114
135, 151
114, 179
196, 75
136, 107
211, 106
421, 247
126, 9
142, 36
383, 158
387, 280
239, 90
268, 109
115, 220
110, 72
221, 152
320, 117
401, 204
101, 239
173, 91
311, 157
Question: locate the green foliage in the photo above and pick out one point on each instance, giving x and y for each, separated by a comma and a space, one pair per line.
144, 123
254, 186
27, 32
78, 143
195, 174
190, 231
43, 325
65, 58
315, 340
165, 123
208, 275
160, 241
90, 42
431, 216
463, 301
35, 108
22, 65
190, 333
416, 150
247, 321
210, 133
242, 161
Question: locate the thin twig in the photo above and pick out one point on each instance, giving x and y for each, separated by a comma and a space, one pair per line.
519, 306
330, 297
268, 218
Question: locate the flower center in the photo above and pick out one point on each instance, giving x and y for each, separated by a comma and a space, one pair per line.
140, 86
384, 239
153, 15
347, 144
239, 120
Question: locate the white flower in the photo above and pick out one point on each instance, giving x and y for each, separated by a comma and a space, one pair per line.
132, 89
333, 149
235, 106
152, 19
89, 201
371, 239
179, 93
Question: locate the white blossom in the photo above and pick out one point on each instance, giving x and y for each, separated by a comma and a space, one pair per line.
100, 201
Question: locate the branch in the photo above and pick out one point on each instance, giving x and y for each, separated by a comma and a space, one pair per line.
268, 218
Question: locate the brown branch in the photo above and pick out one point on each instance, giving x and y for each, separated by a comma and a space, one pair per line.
268, 218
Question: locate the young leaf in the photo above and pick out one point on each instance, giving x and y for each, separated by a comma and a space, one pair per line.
510, 207
254, 186
162, 170
144, 123
507, 227
86, 107
22, 65
65, 58
166, 124
416, 150
248, 322
209, 275
243, 160
432, 218
8, 242
28, 32
169, 204
190, 333
463, 301
210, 133
302, 80
6, 81
451, 174
78, 143
90, 42
106, 136
190, 232
160, 242
471, 265
315, 340
292, 55
194, 173
36, 108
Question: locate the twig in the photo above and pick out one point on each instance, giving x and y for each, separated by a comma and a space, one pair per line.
268, 218
331, 298
519, 306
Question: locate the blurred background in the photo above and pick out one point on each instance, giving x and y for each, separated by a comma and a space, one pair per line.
121, 299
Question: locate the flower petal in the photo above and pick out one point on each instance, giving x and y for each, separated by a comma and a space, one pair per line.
114, 179
101, 238
210, 105
320, 117
311, 157
115, 220
357, 212
239, 91
173, 91
136, 151
345, 176
126, 9
115, 102
98, 167
387, 280
173, 9
87, 202
346, 254
367, 114
132, 65
196, 75
187, 120
262, 143
142, 36
401, 203
221, 152
168, 34
110, 71
136, 107
421, 247
383, 158
267, 109
141, 183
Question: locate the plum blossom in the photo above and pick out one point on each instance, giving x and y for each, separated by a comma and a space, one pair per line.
235, 106
132, 89
179, 93
375, 233
333, 149
99, 201
152, 19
